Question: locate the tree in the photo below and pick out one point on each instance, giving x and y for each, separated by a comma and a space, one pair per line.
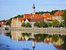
9, 21
64, 17
55, 38
27, 24
55, 23
41, 24
8, 34
19, 16
64, 45
52, 12
23, 24
49, 24
36, 24
62, 24
45, 24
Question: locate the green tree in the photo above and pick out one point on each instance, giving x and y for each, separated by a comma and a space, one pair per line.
64, 45
27, 24
49, 24
62, 24
8, 34
9, 21
55, 23
45, 24
19, 16
64, 17
52, 12
55, 37
26, 34
41, 24
36, 24
23, 24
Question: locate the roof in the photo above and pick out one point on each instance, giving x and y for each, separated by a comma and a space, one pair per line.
20, 19
47, 16
33, 17
58, 13
27, 16
2, 23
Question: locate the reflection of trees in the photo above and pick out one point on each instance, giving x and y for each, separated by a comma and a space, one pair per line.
56, 40
25, 36
8, 34
64, 45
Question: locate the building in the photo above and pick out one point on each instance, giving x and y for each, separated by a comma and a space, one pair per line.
16, 22
2, 23
58, 16
32, 18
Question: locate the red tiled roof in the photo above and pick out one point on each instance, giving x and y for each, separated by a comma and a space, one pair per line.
58, 13
36, 17
33, 17
47, 16
20, 19
2, 23
27, 16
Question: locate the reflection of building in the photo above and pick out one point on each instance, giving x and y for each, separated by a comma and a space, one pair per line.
16, 35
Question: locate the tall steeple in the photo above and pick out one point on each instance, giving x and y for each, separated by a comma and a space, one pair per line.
33, 8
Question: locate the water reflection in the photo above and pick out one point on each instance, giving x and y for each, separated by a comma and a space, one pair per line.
17, 35
9, 44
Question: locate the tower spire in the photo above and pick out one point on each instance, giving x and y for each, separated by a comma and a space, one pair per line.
33, 8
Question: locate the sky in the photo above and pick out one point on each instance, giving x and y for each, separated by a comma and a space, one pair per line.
11, 8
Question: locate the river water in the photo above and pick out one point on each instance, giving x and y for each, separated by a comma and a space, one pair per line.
8, 44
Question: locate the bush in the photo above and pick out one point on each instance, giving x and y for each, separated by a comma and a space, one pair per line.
6, 28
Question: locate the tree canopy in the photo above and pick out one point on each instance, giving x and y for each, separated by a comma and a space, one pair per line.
64, 17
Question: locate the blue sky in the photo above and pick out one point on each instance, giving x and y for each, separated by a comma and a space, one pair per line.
11, 8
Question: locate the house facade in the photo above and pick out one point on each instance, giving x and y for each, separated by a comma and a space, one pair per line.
32, 18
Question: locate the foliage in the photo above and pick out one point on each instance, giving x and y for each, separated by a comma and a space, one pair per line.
25, 34
52, 12
64, 17
6, 28
36, 24
40, 37
55, 23
23, 24
62, 24
9, 22
55, 37
42, 12
41, 24
26, 24
64, 45
19, 16
49, 24
8, 34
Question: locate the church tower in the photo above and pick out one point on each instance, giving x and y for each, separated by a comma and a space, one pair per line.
33, 8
